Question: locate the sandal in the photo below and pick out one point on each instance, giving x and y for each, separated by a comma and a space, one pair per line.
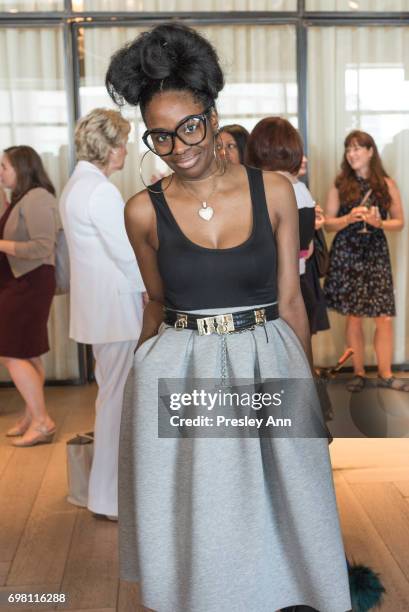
19, 428
397, 384
356, 384
40, 435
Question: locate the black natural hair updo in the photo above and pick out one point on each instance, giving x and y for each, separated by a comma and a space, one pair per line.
171, 56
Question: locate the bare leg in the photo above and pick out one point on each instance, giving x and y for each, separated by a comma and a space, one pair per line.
355, 339
383, 342
28, 378
23, 423
38, 364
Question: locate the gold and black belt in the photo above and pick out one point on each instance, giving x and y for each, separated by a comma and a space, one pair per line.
227, 323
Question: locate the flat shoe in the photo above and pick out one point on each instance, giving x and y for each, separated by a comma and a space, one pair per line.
43, 436
356, 384
396, 384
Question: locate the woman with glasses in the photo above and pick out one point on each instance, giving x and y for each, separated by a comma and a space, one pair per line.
361, 206
215, 525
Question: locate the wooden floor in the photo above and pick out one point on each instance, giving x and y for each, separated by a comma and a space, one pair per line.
48, 545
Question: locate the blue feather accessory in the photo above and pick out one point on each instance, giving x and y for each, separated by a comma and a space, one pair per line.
366, 588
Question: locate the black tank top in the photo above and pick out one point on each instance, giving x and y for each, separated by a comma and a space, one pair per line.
197, 277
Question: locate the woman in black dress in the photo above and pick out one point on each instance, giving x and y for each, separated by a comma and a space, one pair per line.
28, 230
363, 203
211, 525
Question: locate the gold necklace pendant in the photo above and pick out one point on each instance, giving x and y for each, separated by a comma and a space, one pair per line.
205, 212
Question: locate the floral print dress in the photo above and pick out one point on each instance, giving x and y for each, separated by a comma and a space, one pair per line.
359, 280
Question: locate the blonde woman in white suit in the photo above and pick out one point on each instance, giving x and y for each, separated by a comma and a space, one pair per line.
106, 286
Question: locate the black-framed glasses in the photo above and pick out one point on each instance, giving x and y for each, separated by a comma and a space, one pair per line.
191, 131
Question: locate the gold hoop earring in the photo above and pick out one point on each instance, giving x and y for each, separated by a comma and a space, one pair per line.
222, 165
147, 186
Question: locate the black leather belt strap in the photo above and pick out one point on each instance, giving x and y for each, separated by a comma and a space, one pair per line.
221, 323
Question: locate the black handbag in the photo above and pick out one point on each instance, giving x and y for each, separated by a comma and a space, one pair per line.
321, 253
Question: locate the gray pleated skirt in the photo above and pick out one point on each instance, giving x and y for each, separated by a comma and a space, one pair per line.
232, 524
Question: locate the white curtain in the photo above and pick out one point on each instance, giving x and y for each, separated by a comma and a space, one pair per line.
358, 79
34, 112
356, 5
31, 5
184, 5
260, 69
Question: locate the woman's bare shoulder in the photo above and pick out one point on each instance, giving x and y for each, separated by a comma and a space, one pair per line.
138, 200
390, 183
279, 192
277, 181
140, 218
139, 206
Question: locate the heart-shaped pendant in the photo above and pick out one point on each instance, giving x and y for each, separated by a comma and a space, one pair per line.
206, 212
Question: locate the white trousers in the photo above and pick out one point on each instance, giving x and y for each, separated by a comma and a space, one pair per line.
113, 362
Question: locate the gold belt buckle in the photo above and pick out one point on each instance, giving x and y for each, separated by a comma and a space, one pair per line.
225, 323
220, 324
181, 322
206, 326
260, 316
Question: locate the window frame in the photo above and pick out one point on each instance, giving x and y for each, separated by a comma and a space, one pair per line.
71, 22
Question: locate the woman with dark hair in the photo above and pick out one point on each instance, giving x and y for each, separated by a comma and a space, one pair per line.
234, 141
276, 145
215, 525
363, 203
28, 230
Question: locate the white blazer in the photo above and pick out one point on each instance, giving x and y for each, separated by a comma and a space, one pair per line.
106, 286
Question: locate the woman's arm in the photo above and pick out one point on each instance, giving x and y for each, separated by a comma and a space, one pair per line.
140, 223
333, 223
8, 247
40, 216
319, 217
106, 211
396, 220
284, 219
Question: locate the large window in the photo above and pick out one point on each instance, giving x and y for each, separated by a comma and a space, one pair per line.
32, 95
356, 5
327, 65
33, 104
185, 5
15, 6
358, 79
